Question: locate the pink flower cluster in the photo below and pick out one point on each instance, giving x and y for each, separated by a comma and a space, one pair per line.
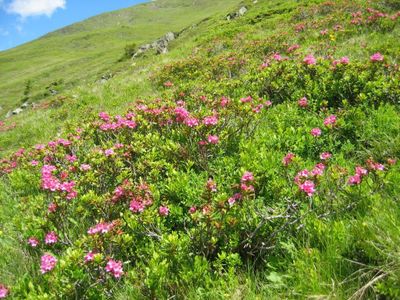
51, 238
51, 183
245, 180
343, 61
303, 179
376, 57
163, 211
121, 122
310, 60
303, 102
330, 121
115, 268
102, 228
33, 242
357, 178
89, 256
287, 160
48, 263
3, 291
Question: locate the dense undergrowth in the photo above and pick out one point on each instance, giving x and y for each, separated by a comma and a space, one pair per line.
266, 168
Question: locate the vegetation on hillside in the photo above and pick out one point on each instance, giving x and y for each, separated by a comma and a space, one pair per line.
257, 162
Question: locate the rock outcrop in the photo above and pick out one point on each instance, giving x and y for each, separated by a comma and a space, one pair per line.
237, 14
160, 45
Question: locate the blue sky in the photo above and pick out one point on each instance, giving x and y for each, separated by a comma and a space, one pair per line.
25, 20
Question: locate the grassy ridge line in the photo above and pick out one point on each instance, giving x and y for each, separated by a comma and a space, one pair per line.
81, 52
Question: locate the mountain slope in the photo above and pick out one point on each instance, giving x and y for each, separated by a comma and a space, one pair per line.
82, 52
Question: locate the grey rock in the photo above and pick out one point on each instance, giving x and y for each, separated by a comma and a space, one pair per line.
17, 111
25, 105
242, 10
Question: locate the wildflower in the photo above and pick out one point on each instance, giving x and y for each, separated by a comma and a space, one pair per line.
353, 180
293, 48
163, 211
115, 268
211, 120
344, 60
104, 116
318, 170
3, 291
70, 158
324, 32
331, 120
51, 238
247, 176
361, 171
33, 242
246, 99
246, 188
211, 185
192, 210
288, 159
325, 156
277, 57
310, 60
136, 206
89, 256
224, 101
191, 122
48, 263
376, 57
213, 139
391, 161
52, 207
168, 84
303, 102
109, 152
181, 114
308, 187
316, 132
101, 228
85, 167
268, 103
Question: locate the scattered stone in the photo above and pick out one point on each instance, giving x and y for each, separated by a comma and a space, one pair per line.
237, 14
24, 105
17, 111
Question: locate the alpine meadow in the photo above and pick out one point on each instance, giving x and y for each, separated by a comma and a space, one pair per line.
204, 149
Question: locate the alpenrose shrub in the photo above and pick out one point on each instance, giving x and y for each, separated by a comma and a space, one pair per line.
165, 194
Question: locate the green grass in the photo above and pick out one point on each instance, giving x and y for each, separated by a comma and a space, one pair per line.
350, 252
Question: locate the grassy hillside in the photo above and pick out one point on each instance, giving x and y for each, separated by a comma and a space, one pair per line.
256, 160
84, 51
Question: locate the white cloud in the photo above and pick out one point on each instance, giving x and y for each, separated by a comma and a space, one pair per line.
27, 8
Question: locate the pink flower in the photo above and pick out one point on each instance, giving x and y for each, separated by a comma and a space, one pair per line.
268, 103
101, 228
192, 210
316, 132
109, 152
211, 120
361, 171
246, 99
344, 60
325, 155
89, 256
232, 200
288, 159
318, 170
34, 242
391, 161
3, 291
34, 163
224, 101
246, 188
213, 139
191, 122
376, 57
163, 211
136, 206
310, 60
303, 102
181, 114
115, 268
104, 116
51, 238
308, 187
277, 57
331, 120
324, 32
48, 263
52, 207
293, 47
211, 185
85, 167
247, 176
70, 158
353, 180
168, 84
